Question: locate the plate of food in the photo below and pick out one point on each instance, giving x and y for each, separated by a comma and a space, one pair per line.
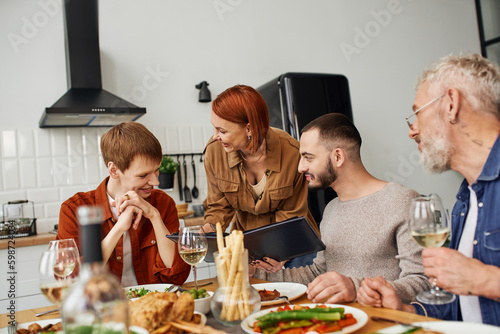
270, 291
55, 325
446, 327
137, 291
156, 311
327, 318
48, 325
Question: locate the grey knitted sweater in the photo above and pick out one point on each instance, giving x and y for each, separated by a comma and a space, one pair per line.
366, 237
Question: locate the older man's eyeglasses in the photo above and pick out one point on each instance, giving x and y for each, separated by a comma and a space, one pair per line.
408, 119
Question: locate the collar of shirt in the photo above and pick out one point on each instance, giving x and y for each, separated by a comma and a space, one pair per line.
491, 168
273, 151
490, 172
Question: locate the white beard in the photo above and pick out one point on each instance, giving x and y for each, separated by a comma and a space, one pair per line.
435, 154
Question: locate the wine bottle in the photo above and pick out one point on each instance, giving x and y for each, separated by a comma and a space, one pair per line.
97, 302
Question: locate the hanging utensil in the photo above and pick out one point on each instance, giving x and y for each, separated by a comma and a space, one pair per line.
179, 178
194, 191
187, 191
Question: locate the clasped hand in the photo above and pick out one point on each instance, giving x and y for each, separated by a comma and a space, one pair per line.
130, 209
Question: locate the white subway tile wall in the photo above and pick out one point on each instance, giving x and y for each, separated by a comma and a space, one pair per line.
47, 166
10, 173
42, 143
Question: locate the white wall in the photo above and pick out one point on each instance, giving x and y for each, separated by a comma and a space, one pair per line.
239, 41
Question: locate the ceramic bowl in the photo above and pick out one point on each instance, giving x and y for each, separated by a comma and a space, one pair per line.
202, 305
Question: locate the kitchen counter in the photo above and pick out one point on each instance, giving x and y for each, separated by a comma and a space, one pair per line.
34, 240
193, 221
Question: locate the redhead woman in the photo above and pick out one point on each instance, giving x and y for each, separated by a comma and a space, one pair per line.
251, 168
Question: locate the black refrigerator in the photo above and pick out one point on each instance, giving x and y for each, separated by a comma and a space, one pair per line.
295, 99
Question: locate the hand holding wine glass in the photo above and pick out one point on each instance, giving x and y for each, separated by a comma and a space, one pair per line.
430, 227
58, 271
192, 247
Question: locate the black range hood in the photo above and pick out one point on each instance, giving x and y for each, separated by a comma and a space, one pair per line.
86, 103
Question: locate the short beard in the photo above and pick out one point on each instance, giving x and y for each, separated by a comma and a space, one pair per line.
325, 178
435, 154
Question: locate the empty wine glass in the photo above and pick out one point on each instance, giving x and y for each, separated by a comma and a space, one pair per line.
63, 243
192, 247
430, 227
58, 270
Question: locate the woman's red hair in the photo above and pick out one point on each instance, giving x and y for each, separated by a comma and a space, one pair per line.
244, 105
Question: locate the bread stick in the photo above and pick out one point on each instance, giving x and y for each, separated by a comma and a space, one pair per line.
235, 294
234, 259
220, 236
223, 266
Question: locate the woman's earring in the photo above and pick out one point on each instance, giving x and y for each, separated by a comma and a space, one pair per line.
249, 137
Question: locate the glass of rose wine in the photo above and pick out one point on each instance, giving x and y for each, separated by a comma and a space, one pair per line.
193, 247
58, 268
430, 227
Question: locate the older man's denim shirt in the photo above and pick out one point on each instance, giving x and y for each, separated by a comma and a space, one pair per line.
487, 237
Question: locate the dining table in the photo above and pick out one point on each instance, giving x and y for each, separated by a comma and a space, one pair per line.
371, 326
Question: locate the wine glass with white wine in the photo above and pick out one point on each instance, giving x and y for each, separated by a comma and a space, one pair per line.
58, 270
193, 247
430, 227
67, 243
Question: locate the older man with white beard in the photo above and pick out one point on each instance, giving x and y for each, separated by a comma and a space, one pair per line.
456, 126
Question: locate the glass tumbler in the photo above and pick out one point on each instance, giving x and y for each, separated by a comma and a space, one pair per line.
235, 299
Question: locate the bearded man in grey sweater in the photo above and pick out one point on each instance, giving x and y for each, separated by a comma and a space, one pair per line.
364, 229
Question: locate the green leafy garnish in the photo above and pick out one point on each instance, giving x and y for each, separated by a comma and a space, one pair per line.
137, 292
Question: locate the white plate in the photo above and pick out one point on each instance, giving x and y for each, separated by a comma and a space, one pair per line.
447, 327
291, 290
203, 319
360, 316
46, 322
25, 325
152, 287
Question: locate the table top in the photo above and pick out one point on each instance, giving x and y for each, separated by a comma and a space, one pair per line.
371, 327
